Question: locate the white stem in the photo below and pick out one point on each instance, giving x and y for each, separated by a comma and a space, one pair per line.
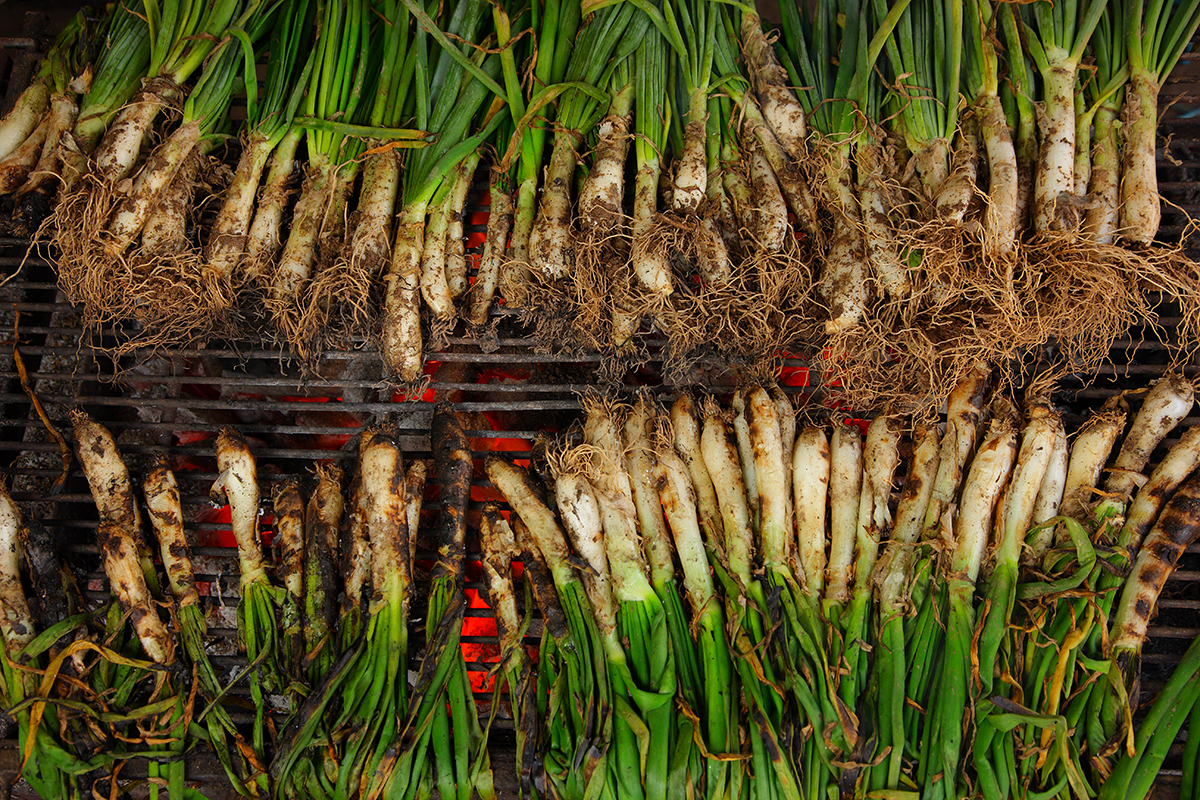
1056, 161
401, 344
845, 485
434, 289
487, 278
1141, 212
262, 242
24, 117
456, 254
810, 483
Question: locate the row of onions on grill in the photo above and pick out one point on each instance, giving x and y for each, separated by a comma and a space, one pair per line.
899, 185
738, 608
325, 634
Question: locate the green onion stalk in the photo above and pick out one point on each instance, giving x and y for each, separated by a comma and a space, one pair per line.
32, 166
837, 63
1176, 529
166, 516
578, 711
981, 84
1059, 624
165, 702
714, 701
1106, 94
182, 35
1104, 707
691, 29
894, 573
994, 756
757, 203
1056, 38
951, 702
341, 295
490, 267
268, 124
927, 104
117, 74
693, 33
641, 441
1076, 627
290, 541
881, 457
204, 113
556, 25
749, 618
799, 646
442, 717
1157, 33
1136, 774
449, 94
652, 116
610, 35
964, 409
646, 662
168, 300
322, 529
334, 743
356, 562
463, 81
1017, 95
48, 767
514, 672
258, 631
758, 140
339, 87
603, 238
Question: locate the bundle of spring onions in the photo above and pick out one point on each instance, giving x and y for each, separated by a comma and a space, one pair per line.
95, 686
829, 187
968, 625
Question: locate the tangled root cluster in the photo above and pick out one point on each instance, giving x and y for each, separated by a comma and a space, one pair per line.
157, 288
1054, 307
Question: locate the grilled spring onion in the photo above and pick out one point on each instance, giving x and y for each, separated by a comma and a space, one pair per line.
323, 523
237, 485
716, 699
289, 537
204, 113
580, 734
881, 457
642, 622
1157, 35
449, 110
268, 124
458, 756
337, 89
997, 646
355, 558
499, 548
1057, 42
556, 25
602, 44
166, 516
981, 78
895, 569
182, 35
111, 488
47, 766
837, 86
33, 161
980, 496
